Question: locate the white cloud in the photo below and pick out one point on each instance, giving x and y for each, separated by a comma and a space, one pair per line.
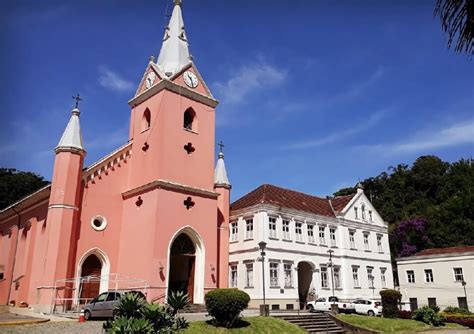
428, 140
373, 120
359, 88
247, 79
111, 80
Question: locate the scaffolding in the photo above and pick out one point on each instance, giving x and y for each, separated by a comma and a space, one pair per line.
66, 296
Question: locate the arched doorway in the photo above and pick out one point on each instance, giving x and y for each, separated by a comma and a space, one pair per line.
182, 265
90, 288
305, 278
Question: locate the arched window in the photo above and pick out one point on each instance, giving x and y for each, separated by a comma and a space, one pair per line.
146, 119
189, 122
363, 211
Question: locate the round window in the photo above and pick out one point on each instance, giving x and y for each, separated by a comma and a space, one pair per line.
98, 223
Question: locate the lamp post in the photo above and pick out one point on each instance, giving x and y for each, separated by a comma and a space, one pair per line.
263, 308
371, 279
465, 293
333, 305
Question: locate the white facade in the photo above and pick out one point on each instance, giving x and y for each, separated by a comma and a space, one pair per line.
298, 239
437, 279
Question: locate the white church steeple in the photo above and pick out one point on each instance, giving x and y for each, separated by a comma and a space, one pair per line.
174, 53
220, 173
71, 139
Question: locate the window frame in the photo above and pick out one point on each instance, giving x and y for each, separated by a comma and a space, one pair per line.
232, 283
310, 229
324, 278
457, 274
299, 235
355, 277
249, 283
429, 276
352, 243
274, 268
285, 229
408, 275
272, 226
322, 235
234, 231
332, 236
249, 231
288, 268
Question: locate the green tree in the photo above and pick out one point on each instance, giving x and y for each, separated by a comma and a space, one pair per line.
15, 184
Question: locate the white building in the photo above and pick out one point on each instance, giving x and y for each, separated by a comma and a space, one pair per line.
436, 276
299, 230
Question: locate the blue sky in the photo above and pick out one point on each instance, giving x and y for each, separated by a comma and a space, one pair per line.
314, 94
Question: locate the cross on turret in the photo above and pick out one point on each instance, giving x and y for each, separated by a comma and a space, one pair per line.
221, 146
77, 98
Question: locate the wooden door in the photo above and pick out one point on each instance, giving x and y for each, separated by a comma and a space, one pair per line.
191, 279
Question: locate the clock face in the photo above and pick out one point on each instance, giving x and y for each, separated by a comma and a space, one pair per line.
150, 79
190, 79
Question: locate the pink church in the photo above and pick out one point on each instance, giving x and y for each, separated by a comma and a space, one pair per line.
152, 215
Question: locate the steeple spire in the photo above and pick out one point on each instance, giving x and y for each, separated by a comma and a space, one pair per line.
220, 173
72, 136
174, 53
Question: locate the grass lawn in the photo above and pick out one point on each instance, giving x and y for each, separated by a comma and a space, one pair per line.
390, 325
248, 325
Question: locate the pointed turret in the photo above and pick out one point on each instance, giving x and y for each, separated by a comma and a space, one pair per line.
220, 173
174, 53
71, 140
222, 187
64, 207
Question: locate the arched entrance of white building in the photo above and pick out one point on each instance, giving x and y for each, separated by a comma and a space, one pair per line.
305, 278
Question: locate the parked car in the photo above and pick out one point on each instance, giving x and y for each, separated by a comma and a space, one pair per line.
103, 305
368, 307
324, 305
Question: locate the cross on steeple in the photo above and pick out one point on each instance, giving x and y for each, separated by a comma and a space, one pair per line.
221, 146
77, 98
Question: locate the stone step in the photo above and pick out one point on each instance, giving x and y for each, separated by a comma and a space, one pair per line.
195, 308
314, 323
330, 332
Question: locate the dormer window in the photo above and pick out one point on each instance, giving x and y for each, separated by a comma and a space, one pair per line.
189, 122
146, 120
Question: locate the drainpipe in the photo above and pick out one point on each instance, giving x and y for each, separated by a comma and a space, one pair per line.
14, 256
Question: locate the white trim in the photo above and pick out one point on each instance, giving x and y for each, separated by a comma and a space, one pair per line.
200, 256
104, 272
63, 206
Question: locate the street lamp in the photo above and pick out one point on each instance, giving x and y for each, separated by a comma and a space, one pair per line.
333, 306
371, 279
263, 308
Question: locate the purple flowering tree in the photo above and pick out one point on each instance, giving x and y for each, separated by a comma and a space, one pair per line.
409, 237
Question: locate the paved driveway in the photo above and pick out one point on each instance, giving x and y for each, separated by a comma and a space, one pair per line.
66, 327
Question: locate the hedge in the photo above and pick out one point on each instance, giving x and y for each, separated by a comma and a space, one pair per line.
225, 305
390, 301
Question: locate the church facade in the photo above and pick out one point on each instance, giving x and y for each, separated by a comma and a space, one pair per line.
152, 215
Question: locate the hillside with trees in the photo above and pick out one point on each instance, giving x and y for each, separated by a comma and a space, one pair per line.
15, 184
429, 204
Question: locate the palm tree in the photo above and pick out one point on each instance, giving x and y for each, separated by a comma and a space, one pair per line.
457, 20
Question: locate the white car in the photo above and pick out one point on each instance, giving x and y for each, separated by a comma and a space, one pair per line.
324, 305
368, 307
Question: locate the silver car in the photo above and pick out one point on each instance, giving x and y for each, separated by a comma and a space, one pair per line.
104, 304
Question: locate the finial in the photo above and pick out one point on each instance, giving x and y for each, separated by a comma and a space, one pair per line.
151, 59
177, 2
77, 98
359, 186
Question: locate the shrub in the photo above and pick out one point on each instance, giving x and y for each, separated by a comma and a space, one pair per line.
404, 314
390, 300
134, 315
130, 306
429, 316
452, 309
225, 305
178, 300
467, 322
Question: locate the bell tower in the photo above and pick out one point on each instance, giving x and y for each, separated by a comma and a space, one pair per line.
173, 116
170, 189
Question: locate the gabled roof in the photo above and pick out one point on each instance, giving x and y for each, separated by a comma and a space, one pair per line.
340, 202
447, 250
270, 194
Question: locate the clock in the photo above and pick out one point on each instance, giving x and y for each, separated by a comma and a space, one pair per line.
150, 79
190, 79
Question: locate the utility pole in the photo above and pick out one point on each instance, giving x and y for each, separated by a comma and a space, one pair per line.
332, 274
263, 308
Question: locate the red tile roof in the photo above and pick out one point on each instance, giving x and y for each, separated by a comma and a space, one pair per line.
340, 202
447, 250
270, 194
